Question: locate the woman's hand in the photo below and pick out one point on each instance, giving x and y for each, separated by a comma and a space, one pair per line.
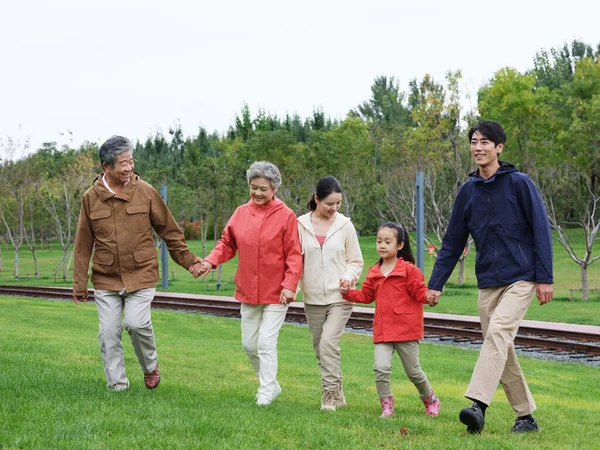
345, 286
200, 268
286, 297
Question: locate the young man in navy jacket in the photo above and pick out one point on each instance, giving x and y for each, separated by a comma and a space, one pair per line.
504, 212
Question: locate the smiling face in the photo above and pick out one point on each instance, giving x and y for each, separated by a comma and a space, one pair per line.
122, 171
484, 151
329, 206
388, 243
261, 191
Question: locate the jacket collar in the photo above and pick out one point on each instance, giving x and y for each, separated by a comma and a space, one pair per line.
125, 193
398, 271
503, 170
338, 223
268, 209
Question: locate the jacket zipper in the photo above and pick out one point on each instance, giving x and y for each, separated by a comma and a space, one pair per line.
522, 254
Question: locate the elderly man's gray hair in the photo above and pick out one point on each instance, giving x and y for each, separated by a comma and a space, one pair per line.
113, 146
266, 170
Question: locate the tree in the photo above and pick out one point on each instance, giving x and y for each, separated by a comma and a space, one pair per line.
61, 198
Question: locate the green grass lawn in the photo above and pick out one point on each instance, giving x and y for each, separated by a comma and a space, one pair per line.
456, 300
52, 392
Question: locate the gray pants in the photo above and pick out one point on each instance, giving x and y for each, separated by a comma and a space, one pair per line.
136, 308
501, 310
409, 355
326, 324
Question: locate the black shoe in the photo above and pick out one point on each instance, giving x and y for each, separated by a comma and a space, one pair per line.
524, 426
472, 417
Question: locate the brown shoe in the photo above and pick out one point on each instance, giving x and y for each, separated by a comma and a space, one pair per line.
152, 379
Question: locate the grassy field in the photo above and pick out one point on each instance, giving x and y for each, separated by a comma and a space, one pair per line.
52, 392
456, 300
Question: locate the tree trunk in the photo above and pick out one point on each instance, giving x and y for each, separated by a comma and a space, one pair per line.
584, 283
64, 263
16, 272
461, 271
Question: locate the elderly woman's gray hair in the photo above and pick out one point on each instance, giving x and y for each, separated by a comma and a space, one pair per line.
113, 146
264, 169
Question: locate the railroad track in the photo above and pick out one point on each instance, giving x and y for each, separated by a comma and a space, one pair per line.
581, 340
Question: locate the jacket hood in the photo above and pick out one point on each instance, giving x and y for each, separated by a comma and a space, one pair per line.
338, 223
504, 169
105, 194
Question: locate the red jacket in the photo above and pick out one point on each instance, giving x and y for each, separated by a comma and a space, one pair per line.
270, 257
398, 302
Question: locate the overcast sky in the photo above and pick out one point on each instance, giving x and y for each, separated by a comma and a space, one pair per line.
132, 67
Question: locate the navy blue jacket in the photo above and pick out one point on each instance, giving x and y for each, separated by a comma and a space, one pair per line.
509, 224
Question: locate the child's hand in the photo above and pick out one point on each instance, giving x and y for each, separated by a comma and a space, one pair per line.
344, 286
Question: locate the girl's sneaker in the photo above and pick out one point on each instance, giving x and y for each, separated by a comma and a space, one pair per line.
387, 406
432, 404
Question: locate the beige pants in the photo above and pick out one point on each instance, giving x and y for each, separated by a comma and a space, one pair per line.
136, 308
409, 355
326, 324
501, 311
260, 330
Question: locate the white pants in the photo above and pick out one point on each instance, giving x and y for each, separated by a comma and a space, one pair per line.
260, 330
136, 306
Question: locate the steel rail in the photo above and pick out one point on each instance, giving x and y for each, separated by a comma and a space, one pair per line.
581, 339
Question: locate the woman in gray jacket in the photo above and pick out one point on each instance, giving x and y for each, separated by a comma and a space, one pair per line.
331, 253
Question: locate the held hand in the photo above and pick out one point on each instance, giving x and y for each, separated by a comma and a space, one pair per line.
286, 297
201, 268
433, 297
78, 299
544, 292
344, 286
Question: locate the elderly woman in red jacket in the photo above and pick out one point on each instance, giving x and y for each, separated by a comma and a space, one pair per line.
264, 233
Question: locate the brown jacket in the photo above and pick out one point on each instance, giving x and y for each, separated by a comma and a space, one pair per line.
120, 226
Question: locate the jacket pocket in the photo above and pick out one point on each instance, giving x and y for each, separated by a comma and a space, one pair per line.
399, 309
102, 223
137, 218
103, 262
141, 256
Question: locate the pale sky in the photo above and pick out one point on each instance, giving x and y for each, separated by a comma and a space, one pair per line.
130, 67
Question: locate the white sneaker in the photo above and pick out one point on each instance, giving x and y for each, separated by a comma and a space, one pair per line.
263, 400
118, 387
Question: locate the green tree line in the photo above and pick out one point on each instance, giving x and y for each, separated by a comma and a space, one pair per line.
551, 114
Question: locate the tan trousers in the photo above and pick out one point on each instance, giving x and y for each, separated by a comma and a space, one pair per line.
260, 331
136, 308
501, 310
409, 355
326, 324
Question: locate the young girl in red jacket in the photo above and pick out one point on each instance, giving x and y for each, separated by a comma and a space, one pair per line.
398, 288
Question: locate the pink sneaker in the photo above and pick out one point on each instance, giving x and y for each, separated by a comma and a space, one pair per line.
387, 406
432, 405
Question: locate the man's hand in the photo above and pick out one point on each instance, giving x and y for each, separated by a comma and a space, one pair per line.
200, 267
433, 297
78, 299
544, 292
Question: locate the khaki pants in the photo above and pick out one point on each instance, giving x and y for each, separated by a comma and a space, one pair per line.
260, 330
409, 355
136, 308
501, 311
326, 324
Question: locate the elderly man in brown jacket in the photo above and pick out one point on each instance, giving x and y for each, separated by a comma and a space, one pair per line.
118, 213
